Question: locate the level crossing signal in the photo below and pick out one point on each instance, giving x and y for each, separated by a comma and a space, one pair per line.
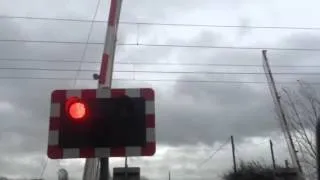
88, 123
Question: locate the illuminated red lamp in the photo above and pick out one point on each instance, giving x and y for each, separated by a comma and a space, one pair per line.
76, 108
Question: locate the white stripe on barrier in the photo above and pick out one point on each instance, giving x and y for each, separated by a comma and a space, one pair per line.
102, 152
53, 138
149, 107
73, 92
151, 135
133, 93
103, 93
71, 153
110, 39
55, 110
133, 151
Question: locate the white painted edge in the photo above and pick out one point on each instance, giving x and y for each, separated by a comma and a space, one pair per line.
73, 92
133, 151
103, 93
53, 138
151, 135
110, 40
150, 109
102, 152
71, 153
133, 93
55, 110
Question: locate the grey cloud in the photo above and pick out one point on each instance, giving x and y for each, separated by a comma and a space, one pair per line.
220, 117
74, 9
214, 112
211, 112
145, 10
24, 133
186, 113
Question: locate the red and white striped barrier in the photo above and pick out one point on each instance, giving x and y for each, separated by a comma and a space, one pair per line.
110, 44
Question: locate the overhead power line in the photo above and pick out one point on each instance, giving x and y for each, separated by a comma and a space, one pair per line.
214, 153
160, 72
45, 69
219, 47
154, 80
144, 63
49, 41
44, 167
162, 45
162, 24
87, 41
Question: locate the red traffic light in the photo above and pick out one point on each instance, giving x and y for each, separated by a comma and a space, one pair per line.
76, 108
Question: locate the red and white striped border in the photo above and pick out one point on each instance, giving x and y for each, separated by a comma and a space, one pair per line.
60, 96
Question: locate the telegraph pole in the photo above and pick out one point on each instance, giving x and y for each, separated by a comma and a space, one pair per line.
280, 112
272, 155
105, 80
318, 147
233, 155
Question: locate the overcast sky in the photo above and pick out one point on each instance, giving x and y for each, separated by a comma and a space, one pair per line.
193, 118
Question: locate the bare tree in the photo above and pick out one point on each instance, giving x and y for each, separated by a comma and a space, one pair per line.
302, 109
251, 170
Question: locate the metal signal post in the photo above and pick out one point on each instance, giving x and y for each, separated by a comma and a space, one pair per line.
106, 69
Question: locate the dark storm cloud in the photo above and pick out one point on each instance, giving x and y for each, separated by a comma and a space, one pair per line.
25, 103
213, 111
210, 113
186, 113
203, 113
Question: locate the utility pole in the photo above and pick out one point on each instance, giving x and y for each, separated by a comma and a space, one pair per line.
105, 80
233, 155
280, 112
272, 155
169, 175
318, 146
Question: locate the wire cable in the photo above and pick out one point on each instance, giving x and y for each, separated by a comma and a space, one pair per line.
87, 41
214, 153
49, 41
162, 45
159, 80
161, 72
155, 80
145, 63
162, 24
218, 47
45, 69
44, 167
